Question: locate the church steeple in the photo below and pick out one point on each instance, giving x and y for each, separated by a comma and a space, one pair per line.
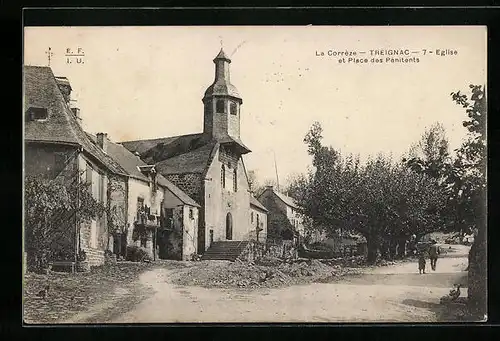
222, 102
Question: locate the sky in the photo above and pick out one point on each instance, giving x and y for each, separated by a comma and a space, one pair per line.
148, 82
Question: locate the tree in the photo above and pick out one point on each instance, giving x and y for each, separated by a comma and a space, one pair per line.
469, 183
430, 155
49, 204
381, 200
252, 180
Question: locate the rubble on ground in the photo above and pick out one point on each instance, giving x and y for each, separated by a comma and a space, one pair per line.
266, 273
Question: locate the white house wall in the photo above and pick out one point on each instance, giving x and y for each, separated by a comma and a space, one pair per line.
190, 232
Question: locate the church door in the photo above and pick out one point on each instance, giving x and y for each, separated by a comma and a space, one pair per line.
229, 227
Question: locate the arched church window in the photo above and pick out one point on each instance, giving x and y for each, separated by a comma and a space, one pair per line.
223, 176
235, 181
219, 106
233, 108
251, 217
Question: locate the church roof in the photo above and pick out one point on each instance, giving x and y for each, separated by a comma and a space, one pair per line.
193, 161
61, 126
222, 55
235, 141
222, 89
176, 154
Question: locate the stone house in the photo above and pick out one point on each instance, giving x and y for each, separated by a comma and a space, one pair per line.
284, 219
158, 215
56, 147
209, 166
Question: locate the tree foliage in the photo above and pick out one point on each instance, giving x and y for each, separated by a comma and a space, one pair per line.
469, 183
50, 207
381, 199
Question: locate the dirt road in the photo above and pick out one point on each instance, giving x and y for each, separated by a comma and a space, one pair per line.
394, 293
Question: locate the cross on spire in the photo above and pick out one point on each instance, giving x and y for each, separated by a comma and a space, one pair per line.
49, 54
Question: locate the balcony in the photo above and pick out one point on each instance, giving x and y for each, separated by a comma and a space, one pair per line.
151, 221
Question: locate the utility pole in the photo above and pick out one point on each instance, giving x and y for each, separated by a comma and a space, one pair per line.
276, 169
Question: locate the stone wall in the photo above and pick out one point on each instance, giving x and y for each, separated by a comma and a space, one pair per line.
189, 183
94, 257
281, 249
253, 251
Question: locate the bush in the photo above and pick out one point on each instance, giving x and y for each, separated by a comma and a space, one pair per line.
137, 254
321, 247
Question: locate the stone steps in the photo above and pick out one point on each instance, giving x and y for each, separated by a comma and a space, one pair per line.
225, 250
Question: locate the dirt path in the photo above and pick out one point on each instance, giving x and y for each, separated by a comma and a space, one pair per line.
389, 294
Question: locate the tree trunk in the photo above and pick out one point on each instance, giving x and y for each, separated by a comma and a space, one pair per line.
372, 245
401, 248
477, 277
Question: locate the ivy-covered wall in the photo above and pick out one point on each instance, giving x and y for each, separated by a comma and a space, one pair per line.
117, 217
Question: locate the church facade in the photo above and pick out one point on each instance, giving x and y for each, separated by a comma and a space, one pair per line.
209, 166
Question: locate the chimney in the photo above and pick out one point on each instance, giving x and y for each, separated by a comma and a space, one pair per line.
102, 141
65, 87
76, 113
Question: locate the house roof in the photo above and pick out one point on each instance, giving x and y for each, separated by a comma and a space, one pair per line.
41, 91
131, 163
257, 204
286, 199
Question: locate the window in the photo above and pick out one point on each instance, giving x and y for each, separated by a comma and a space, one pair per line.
219, 106
88, 176
233, 108
37, 114
59, 163
191, 213
235, 181
251, 217
96, 185
101, 187
223, 176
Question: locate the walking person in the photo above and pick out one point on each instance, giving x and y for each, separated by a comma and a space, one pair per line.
421, 262
434, 252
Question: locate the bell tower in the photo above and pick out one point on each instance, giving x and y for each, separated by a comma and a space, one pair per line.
222, 103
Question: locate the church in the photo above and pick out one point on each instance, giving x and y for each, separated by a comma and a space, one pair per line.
209, 166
